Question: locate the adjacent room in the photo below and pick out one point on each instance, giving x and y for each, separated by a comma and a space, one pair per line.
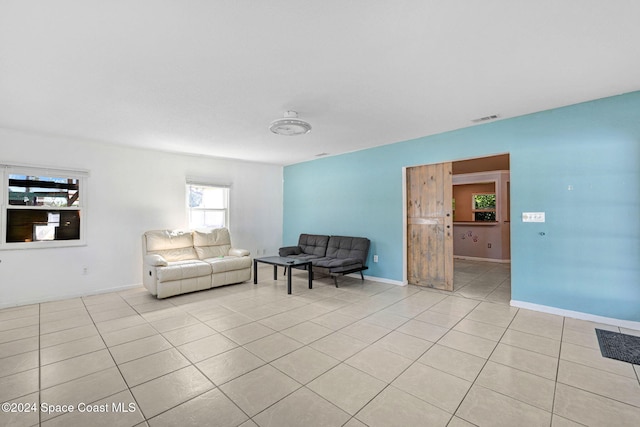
319, 213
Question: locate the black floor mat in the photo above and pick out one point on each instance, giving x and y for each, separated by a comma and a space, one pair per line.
615, 345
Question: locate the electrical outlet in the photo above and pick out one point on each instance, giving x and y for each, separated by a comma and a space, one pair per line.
489, 245
375, 258
85, 271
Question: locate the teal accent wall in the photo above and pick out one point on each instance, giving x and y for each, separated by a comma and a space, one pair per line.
588, 259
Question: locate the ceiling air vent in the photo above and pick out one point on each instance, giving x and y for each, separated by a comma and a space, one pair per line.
486, 118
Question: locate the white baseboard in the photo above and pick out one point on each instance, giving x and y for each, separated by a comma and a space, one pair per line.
383, 280
629, 324
472, 258
67, 296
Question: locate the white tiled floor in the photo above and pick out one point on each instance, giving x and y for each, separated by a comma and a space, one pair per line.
364, 354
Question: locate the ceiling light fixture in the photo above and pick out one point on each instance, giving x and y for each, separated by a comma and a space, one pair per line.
290, 125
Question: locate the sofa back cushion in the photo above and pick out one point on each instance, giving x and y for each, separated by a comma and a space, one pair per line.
212, 244
342, 247
313, 244
171, 245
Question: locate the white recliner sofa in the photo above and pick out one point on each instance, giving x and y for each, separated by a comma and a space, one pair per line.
177, 262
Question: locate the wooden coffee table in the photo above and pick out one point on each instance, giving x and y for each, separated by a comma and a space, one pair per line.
282, 262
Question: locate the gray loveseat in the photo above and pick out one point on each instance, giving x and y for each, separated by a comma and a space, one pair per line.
334, 255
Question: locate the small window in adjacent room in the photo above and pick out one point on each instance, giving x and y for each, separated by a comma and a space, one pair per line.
41, 207
484, 207
207, 205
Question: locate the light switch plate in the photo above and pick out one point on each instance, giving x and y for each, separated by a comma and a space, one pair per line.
532, 216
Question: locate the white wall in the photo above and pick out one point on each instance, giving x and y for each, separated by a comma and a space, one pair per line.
129, 191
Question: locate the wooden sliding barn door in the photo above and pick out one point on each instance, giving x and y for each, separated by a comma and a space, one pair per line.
430, 226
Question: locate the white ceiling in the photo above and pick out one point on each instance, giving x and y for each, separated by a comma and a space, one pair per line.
207, 77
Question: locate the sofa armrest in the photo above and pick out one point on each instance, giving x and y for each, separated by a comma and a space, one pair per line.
155, 260
289, 250
239, 252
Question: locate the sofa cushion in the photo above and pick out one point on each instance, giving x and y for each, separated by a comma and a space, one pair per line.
181, 270
337, 262
304, 257
181, 254
228, 263
313, 244
172, 245
212, 244
342, 247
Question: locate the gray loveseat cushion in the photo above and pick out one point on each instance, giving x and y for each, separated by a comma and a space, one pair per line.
310, 246
344, 254
342, 247
313, 244
336, 262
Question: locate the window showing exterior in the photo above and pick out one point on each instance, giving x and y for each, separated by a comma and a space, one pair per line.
41, 207
207, 205
484, 207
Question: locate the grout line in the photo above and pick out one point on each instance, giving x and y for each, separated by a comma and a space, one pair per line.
555, 386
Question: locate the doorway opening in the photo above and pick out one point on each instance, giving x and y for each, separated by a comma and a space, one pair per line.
457, 227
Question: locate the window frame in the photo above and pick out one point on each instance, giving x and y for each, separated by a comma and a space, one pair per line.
200, 183
15, 169
474, 210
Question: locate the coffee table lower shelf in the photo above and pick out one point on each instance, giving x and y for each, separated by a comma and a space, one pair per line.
278, 261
